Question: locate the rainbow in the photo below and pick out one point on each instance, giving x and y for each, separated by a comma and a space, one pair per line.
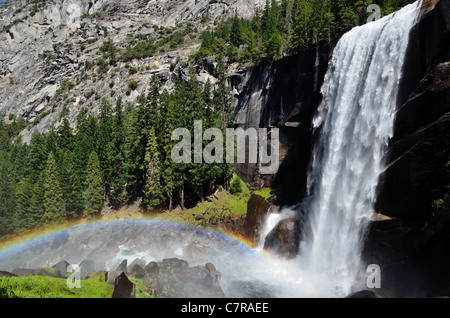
9, 249
36, 236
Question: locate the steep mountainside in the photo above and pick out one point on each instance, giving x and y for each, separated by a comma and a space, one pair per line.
51, 51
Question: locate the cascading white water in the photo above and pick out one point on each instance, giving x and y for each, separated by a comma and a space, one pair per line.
355, 120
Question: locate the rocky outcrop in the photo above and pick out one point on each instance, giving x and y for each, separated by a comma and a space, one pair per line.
87, 267
46, 44
257, 210
174, 278
363, 294
412, 245
6, 274
23, 272
61, 267
417, 170
283, 95
284, 239
123, 287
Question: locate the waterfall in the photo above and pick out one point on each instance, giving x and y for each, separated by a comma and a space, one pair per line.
354, 123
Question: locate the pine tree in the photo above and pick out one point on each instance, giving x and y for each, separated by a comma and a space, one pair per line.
93, 193
7, 200
54, 206
301, 36
68, 185
105, 129
132, 151
37, 199
36, 158
116, 157
23, 210
153, 191
65, 135
168, 165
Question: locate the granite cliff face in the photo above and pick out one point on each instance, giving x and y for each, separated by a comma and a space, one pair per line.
411, 242
46, 45
284, 95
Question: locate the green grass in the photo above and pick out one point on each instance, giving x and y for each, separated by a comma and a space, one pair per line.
266, 192
142, 291
50, 287
220, 205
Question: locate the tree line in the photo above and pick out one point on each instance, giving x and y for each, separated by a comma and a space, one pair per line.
288, 27
121, 154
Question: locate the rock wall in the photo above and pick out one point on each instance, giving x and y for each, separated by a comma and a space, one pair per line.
283, 95
42, 46
417, 169
412, 243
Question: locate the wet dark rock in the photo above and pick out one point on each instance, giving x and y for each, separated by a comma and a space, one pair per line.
199, 217
284, 238
6, 274
123, 287
257, 209
417, 168
215, 275
363, 294
413, 247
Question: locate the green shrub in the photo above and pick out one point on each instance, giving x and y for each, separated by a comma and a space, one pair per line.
236, 186
89, 94
133, 85
437, 206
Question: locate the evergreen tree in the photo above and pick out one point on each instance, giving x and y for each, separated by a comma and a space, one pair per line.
116, 171
168, 165
132, 151
36, 159
153, 191
105, 131
93, 193
23, 210
37, 199
54, 206
7, 200
65, 135
68, 185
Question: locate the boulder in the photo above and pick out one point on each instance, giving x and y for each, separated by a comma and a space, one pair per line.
123, 266
123, 287
284, 238
257, 209
198, 281
137, 271
61, 267
110, 277
6, 274
215, 275
175, 264
195, 250
152, 268
137, 261
363, 294
87, 267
